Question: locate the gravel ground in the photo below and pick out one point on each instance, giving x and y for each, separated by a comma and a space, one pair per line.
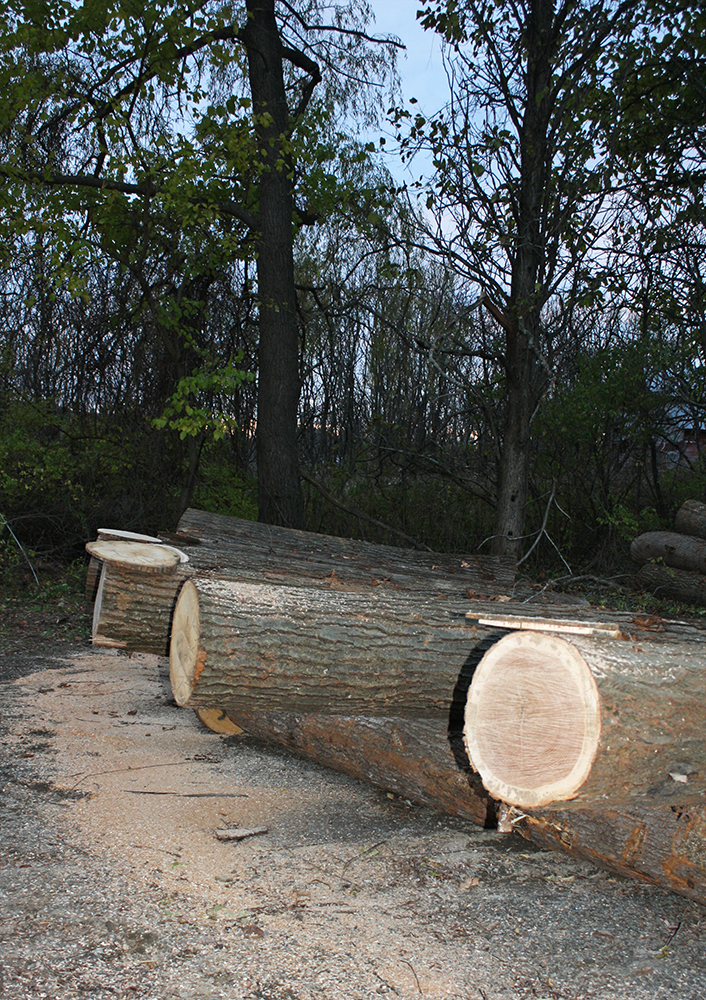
113, 884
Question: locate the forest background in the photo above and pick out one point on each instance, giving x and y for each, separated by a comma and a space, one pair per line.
215, 293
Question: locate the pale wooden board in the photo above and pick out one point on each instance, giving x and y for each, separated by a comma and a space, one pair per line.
569, 626
218, 721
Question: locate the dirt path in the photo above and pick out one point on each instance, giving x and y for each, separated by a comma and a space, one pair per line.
113, 884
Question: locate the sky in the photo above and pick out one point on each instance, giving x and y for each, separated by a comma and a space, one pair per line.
420, 66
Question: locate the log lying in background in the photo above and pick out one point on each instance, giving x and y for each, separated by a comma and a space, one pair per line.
671, 548
302, 649
592, 720
691, 519
659, 844
262, 553
133, 611
664, 581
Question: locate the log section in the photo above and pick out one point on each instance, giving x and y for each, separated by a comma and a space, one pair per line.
411, 757
136, 592
691, 519
262, 553
306, 650
679, 551
592, 720
659, 844
664, 581
662, 845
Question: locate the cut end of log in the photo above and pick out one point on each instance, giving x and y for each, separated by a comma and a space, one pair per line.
533, 721
184, 664
143, 556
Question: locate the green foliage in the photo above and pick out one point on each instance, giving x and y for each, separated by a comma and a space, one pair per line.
188, 412
221, 489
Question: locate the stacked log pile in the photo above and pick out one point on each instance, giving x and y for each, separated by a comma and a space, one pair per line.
582, 734
673, 563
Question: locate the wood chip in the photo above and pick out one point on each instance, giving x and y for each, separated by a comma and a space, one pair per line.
241, 833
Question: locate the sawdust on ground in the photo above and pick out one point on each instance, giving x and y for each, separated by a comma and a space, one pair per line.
115, 885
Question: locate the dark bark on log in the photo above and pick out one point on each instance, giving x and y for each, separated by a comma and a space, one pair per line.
412, 758
691, 519
266, 554
664, 581
593, 720
679, 551
659, 844
304, 650
662, 845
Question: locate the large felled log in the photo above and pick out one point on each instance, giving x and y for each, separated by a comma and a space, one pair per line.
660, 844
592, 720
671, 548
308, 650
262, 553
411, 757
691, 519
664, 581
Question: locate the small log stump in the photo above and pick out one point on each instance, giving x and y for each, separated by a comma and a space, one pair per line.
135, 596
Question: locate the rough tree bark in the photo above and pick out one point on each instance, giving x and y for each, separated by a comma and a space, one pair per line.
279, 489
680, 583
528, 262
671, 548
414, 758
266, 554
691, 519
298, 649
417, 759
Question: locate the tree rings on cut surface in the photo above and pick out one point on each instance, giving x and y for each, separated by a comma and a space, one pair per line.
184, 646
143, 556
532, 720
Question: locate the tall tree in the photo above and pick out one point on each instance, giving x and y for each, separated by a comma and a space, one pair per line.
194, 108
524, 195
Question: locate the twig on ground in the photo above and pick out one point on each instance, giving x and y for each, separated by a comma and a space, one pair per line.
4, 523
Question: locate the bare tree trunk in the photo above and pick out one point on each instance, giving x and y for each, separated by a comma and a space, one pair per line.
279, 490
526, 298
